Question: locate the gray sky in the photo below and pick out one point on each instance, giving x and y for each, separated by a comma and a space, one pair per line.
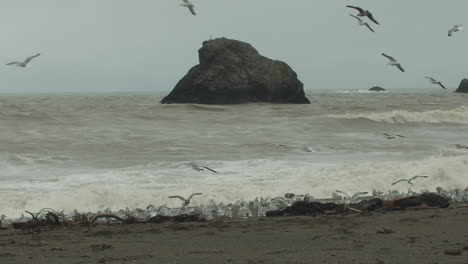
148, 45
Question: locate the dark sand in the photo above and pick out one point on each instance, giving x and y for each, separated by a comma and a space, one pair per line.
415, 237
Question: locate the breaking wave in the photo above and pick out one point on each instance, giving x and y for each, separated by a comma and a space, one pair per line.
137, 187
458, 115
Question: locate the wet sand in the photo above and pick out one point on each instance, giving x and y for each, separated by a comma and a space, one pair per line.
381, 237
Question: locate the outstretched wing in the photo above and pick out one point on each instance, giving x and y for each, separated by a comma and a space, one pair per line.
192, 10
178, 197
441, 85
356, 195
402, 180
388, 57
193, 194
419, 176
399, 67
13, 63
28, 59
371, 17
338, 191
210, 169
360, 20
432, 79
367, 25
357, 8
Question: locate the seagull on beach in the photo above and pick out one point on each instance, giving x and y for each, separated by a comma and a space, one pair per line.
186, 201
363, 13
351, 198
455, 29
410, 181
362, 23
389, 136
25, 62
434, 81
393, 62
189, 5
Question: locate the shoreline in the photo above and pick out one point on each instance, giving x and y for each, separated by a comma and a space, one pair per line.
410, 236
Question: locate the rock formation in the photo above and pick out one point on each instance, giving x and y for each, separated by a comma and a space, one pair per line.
463, 88
377, 89
233, 72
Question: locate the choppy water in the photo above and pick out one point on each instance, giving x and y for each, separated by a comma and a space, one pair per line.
98, 151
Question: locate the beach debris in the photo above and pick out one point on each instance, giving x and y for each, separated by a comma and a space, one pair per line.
199, 167
392, 136
100, 247
384, 231
423, 201
453, 252
410, 181
186, 201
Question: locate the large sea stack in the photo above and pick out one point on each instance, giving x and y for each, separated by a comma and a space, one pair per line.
233, 72
463, 88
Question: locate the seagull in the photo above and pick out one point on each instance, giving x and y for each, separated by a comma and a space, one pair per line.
25, 62
363, 13
393, 62
455, 29
189, 5
201, 167
410, 181
362, 23
186, 201
356, 195
389, 136
434, 81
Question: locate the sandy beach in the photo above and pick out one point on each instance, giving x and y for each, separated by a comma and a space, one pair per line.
413, 236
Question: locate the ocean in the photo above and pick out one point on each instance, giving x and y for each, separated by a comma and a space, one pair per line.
125, 150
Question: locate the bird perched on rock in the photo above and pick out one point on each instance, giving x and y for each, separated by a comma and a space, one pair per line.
25, 62
186, 201
364, 13
410, 181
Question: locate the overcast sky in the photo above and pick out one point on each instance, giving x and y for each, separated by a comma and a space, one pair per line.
148, 45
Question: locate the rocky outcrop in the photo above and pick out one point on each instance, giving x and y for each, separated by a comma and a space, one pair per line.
463, 88
377, 89
233, 72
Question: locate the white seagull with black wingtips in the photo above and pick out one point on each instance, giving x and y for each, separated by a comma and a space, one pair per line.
393, 62
189, 5
362, 23
363, 13
434, 81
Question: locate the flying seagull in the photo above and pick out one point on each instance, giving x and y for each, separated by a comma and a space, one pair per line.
356, 195
393, 62
410, 181
362, 23
189, 5
363, 13
25, 62
201, 167
434, 81
389, 136
455, 29
186, 201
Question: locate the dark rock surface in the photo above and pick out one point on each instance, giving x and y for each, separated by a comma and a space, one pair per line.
233, 72
377, 89
463, 88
